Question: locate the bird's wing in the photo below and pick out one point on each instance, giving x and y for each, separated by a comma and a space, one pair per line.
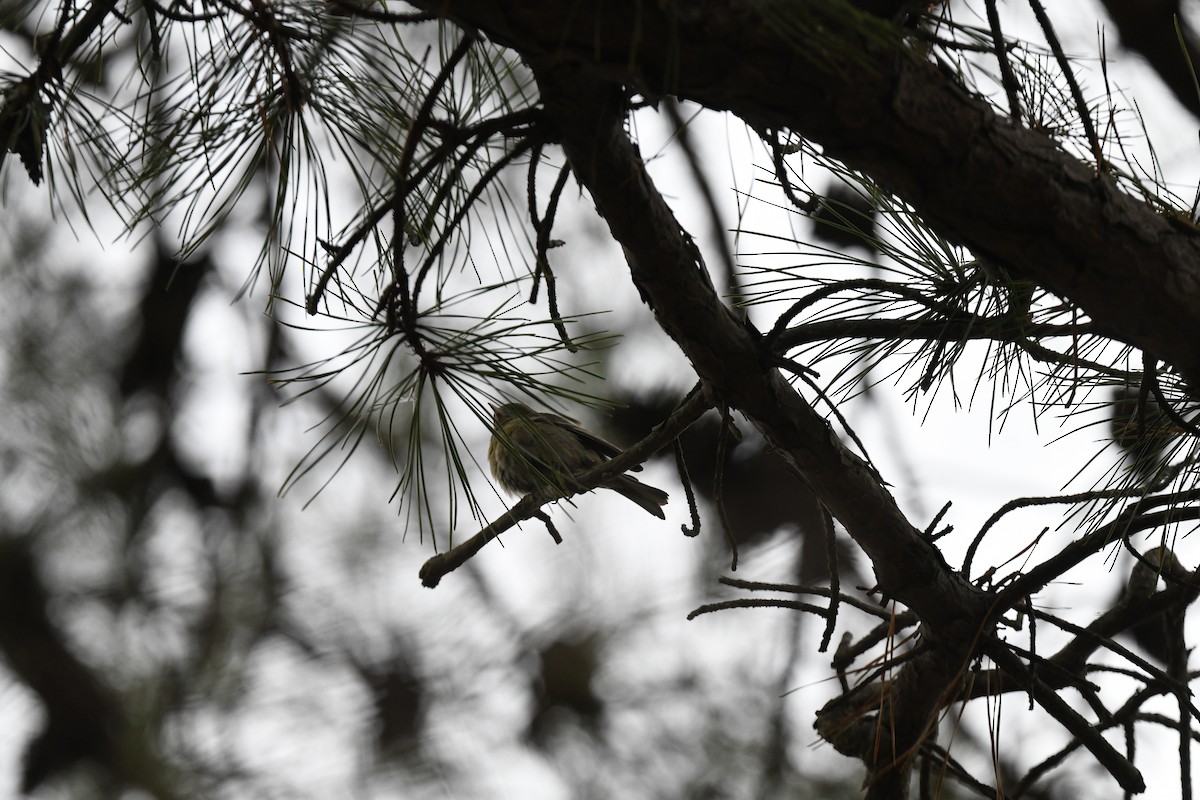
596, 443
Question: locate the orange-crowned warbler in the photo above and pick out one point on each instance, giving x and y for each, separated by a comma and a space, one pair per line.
531, 450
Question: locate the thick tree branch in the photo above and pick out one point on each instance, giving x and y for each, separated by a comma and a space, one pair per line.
730, 358
727, 353
849, 82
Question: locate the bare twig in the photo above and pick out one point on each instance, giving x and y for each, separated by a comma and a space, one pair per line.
765, 602
688, 491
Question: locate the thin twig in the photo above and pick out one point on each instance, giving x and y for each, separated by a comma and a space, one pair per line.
1007, 78
765, 602
688, 491
544, 228
821, 591
771, 137
1077, 551
835, 581
438, 566
1067, 499
937, 518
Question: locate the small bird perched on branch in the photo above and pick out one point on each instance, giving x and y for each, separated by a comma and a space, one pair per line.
532, 450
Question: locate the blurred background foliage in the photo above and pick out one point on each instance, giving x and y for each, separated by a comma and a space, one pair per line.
171, 626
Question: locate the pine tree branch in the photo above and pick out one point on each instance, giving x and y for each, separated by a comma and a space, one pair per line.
849, 82
731, 359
